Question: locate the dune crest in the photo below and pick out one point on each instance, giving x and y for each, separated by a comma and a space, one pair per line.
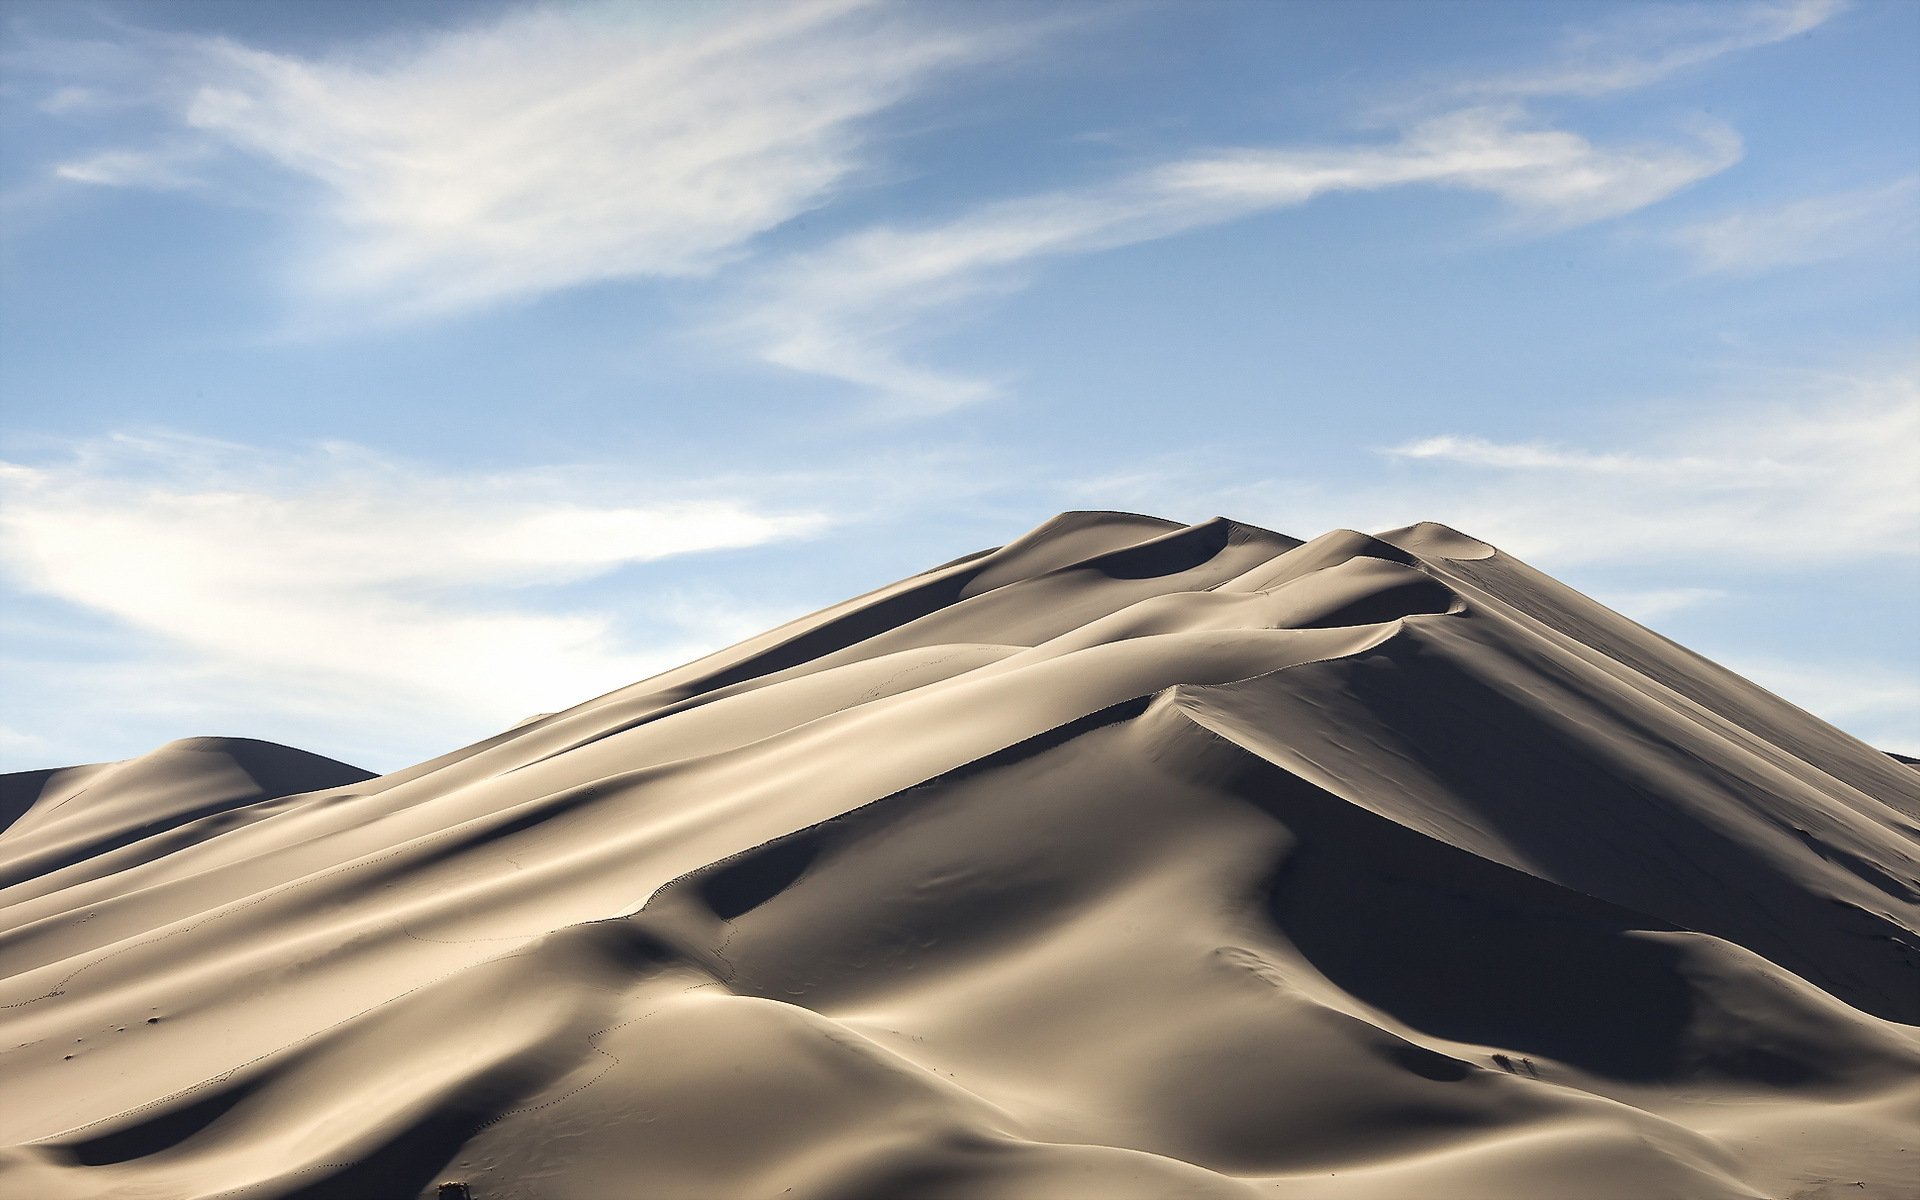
1127, 860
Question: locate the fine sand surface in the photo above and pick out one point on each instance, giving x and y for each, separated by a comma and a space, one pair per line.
1128, 861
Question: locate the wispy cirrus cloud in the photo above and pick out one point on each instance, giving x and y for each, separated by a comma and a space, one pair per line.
1824, 466
849, 311
167, 168
344, 583
1644, 44
844, 311
1800, 232
553, 147
1471, 450
1553, 178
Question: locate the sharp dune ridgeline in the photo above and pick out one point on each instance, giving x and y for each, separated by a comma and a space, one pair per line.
1128, 861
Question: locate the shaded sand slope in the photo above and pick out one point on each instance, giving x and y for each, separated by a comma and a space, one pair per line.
1130, 859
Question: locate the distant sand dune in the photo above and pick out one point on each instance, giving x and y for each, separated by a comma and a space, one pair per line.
1129, 860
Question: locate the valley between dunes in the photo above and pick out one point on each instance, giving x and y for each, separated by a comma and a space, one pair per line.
1127, 861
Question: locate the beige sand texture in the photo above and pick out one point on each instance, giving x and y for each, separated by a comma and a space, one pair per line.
1128, 861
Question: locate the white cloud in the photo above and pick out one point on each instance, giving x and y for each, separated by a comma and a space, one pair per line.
838, 312
1809, 230
1823, 473
1552, 176
1535, 456
556, 146
843, 311
165, 169
1646, 43
339, 580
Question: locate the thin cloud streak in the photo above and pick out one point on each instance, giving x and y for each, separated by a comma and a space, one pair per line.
174, 168
843, 311
1540, 456
1822, 475
1646, 44
1552, 178
846, 312
1802, 232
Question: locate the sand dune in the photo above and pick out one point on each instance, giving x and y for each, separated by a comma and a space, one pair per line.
1129, 860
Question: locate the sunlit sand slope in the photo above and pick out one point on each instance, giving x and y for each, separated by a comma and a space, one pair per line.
1129, 860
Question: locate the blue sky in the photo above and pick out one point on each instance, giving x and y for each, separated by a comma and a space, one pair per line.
377, 374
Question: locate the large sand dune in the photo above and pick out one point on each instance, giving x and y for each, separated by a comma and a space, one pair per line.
1130, 860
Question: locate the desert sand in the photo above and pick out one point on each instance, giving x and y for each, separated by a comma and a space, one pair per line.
1128, 860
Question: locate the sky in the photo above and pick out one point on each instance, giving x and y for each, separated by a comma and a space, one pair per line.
376, 375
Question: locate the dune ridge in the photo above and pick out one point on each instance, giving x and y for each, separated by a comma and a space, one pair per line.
1129, 859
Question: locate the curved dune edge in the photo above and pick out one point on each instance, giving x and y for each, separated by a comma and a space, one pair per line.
1130, 859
